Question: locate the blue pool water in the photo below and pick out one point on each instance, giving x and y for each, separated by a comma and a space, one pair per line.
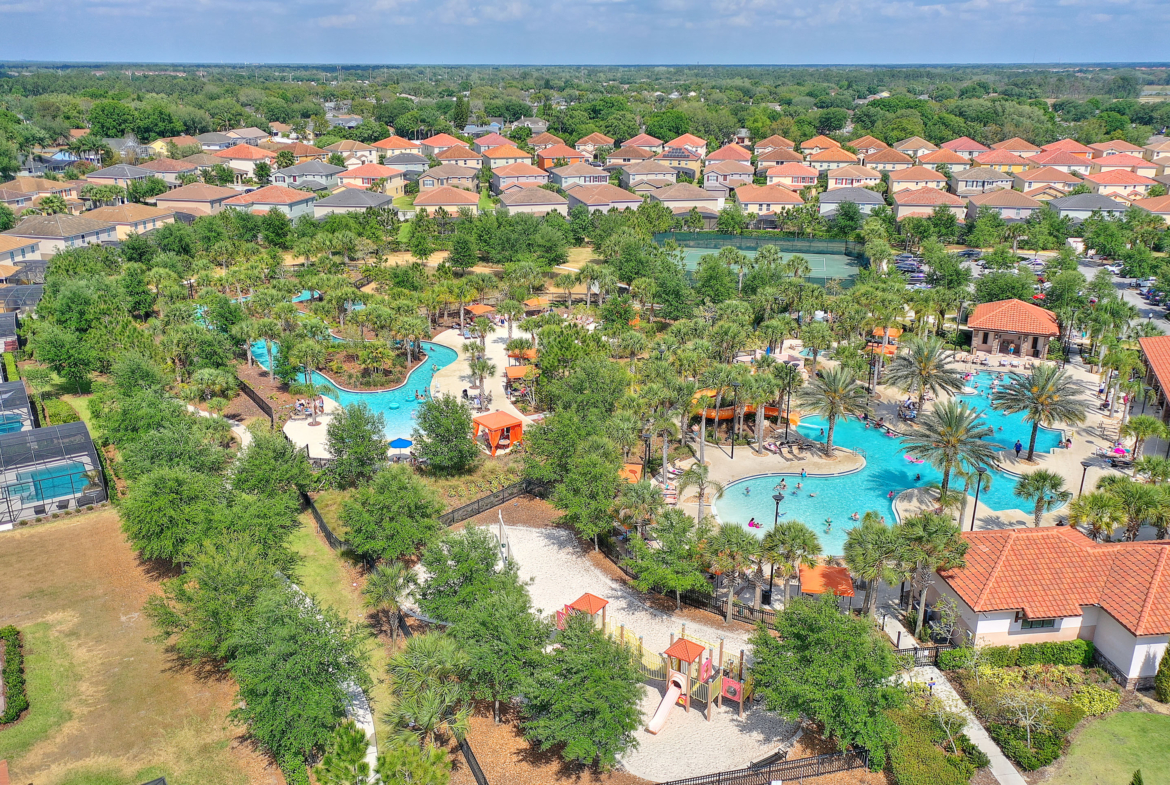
399, 405
886, 469
50, 482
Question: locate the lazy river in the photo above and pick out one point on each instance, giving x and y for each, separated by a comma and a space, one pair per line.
886, 469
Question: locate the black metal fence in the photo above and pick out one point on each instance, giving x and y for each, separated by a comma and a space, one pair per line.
258, 399
472, 763
335, 542
784, 771
494, 499
923, 657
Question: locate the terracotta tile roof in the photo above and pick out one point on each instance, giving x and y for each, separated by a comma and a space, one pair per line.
855, 172
183, 140
579, 170
546, 138
11, 243
927, 196
517, 169
168, 165
780, 155
819, 141
128, 213
442, 140
1155, 204
766, 194
793, 169
727, 167
1054, 572
457, 152
603, 193
915, 173
948, 157
914, 143
596, 139
833, 154
1016, 145
1068, 146
681, 154
1119, 177
245, 152
349, 146
685, 140
298, 149
396, 143
1004, 197
1045, 192
1014, 316
730, 152
1117, 145
775, 141
1057, 158
867, 142
685, 191
534, 195
644, 140
370, 170
1127, 160
272, 194
964, 144
198, 192
492, 140
1046, 174
888, 156
1000, 158
629, 151
1157, 353
560, 151
444, 195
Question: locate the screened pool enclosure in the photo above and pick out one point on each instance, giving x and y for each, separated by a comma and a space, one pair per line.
47, 470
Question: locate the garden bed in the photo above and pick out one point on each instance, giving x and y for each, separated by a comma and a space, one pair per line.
15, 699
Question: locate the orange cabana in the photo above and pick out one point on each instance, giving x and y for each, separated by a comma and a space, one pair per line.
480, 309
500, 426
880, 332
523, 354
535, 303
825, 577
631, 472
876, 348
517, 372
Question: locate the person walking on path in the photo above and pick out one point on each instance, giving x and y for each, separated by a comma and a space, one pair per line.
1018, 448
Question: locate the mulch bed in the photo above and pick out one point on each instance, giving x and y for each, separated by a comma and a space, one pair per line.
810, 744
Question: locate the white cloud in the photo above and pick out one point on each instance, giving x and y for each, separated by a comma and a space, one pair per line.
337, 20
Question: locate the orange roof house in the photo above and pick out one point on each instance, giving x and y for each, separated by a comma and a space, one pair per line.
397, 144
938, 158
730, 152
1014, 316
245, 152
818, 143
502, 429
547, 158
433, 145
826, 578
965, 146
1069, 146
1020, 147
867, 144
887, 160
773, 142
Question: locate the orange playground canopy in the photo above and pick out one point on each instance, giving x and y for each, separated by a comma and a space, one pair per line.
589, 603
498, 425
479, 309
825, 577
685, 650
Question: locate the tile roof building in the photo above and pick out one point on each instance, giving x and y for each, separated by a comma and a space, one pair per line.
766, 199
887, 160
914, 178
1020, 147
448, 198
1012, 327
1012, 206
196, 199
536, 201
603, 198
289, 201
921, 202
132, 218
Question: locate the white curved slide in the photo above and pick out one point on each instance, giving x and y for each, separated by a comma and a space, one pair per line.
674, 688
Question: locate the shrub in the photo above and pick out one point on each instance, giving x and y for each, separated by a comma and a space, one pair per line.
917, 757
975, 756
1162, 678
1065, 716
17, 700
1076, 652
10, 369
954, 659
1013, 741
1001, 656
59, 412
1094, 700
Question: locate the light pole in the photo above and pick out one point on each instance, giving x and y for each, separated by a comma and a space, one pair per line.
734, 422
787, 414
1085, 470
775, 522
646, 453
980, 470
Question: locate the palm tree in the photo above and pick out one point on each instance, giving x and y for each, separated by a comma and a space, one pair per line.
480, 369
970, 477
429, 699
816, 337
1099, 512
704, 403
926, 365
663, 425
758, 390
949, 434
1045, 489
1047, 396
310, 355
1154, 468
1160, 515
833, 394
871, 553
1138, 500
641, 503
791, 544
387, 587
929, 541
697, 476
1141, 428
732, 550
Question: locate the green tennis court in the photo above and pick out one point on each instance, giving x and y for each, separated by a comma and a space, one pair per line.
827, 259
822, 265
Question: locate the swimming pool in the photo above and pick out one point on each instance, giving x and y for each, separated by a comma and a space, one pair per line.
50, 482
399, 405
886, 469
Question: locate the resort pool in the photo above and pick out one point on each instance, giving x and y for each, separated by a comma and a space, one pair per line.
886, 469
399, 405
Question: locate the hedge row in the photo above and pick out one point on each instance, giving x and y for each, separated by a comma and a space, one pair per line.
59, 411
10, 369
14, 693
1076, 652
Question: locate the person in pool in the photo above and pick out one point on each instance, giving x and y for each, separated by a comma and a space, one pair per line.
747, 491
855, 517
434, 367
890, 495
803, 473
752, 524
799, 485
783, 485
918, 478
828, 525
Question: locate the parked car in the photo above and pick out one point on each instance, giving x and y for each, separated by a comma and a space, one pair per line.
1114, 268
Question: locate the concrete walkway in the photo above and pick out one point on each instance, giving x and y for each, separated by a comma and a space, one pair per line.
300, 432
456, 377
242, 433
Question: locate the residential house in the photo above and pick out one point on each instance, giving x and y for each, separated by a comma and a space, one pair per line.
1062, 160
777, 157
948, 158
626, 155
393, 145
448, 198
1036, 585
359, 152
352, 200
375, 177
646, 142
544, 141
887, 161
433, 145
1120, 184
1115, 147
645, 176
1017, 146
16, 201
964, 146
203, 161
602, 198
249, 135
283, 132
773, 142
688, 142
120, 175
1012, 206
517, 175
1001, 160
310, 172
486, 142
1126, 162
867, 145
131, 218
535, 201
1158, 205
1156, 150
1069, 146
979, 179
914, 178
682, 197
301, 152
169, 169
743, 138
559, 155
792, 175
864, 198
346, 121
852, 177
766, 200
730, 152
506, 154
413, 164
915, 147
920, 202
195, 199
244, 157
684, 159
213, 141
460, 155
832, 158
1081, 206
591, 144
566, 177
57, 232
162, 147
290, 201
129, 149
15, 250
1042, 177
535, 124
449, 176
39, 186
722, 177
818, 144
1012, 327
476, 131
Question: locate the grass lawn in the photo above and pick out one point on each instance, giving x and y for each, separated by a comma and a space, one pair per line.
1109, 750
323, 575
107, 703
405, 202
81, 405
486, 203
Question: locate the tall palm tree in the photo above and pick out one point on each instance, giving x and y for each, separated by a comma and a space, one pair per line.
1047, 396
663, 425
834, 394
871, 553
430, 700
641, 503
1141, 428
925, 365
732, 552
310, 355
929, 541
788, 380
1045, 489
949, 434
697, 476
1099, 512
791, 544
704, 402
386, 589
1138, 500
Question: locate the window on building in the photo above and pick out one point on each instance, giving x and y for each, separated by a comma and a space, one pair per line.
1037, 624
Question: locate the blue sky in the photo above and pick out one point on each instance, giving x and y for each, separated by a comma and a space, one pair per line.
589, 31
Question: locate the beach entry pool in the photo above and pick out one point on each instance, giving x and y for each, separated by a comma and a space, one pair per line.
886, 469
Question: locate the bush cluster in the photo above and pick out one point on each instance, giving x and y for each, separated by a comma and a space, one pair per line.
922, 756
10, 369
14, 693
1075, 652
1094, 700
59, 412
1046, 747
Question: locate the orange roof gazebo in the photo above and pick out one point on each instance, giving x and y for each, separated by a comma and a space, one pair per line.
589, 603
479, 309
523, 354
685, 650
498, 424
516, 372
825, 577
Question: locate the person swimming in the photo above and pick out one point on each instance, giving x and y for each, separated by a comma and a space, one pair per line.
918, 478
890, 495
783, 485
855, 517
803, 473
812, 496
799, 485
747, 491
828, 525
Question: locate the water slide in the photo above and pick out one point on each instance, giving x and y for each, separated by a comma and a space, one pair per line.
674, 688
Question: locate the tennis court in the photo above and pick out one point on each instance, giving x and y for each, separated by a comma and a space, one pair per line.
827, 259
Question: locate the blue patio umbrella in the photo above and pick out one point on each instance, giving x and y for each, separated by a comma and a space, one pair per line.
400, 443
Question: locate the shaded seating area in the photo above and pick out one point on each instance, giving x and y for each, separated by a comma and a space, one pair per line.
48, 469
479, 309
502, 430
535, 304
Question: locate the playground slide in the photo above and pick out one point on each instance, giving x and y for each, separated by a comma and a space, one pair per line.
673, 689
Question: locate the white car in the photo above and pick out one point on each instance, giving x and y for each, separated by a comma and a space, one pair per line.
1114, 268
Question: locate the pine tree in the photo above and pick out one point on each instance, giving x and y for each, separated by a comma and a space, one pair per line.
1162, 678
